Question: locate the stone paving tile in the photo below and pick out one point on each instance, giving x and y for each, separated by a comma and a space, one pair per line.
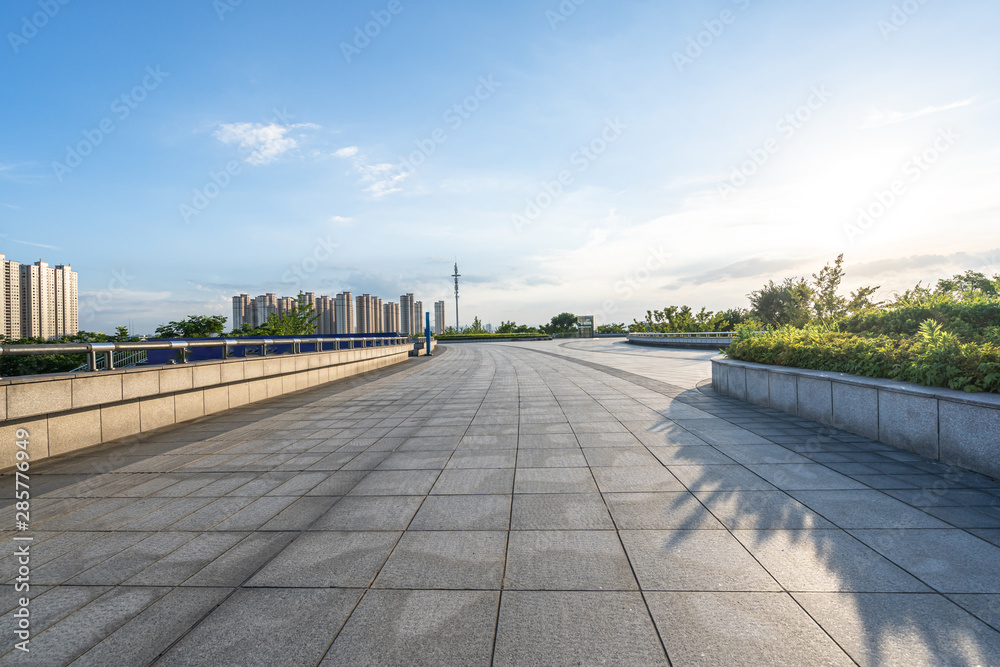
567, 511
825, 561
952, 561
325, 559
866, 509
370, 513
693, 560
474, 481
719, 478
47, 607
903, 629
619, 456
659, 511
455, 512
235, 565
761, 510
426, 628
576, 628
808, 476
298, 625
154, 629
74, 634
740, 629
554, 480
445, 560
563, 457
180, 564
635, 479
567, 560
690, 455
338, 483
396, 483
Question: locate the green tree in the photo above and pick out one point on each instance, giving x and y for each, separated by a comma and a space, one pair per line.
827, 303
621, 328
561, 323
195, 326
300, 321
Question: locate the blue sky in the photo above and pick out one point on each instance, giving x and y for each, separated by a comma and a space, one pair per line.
601, 158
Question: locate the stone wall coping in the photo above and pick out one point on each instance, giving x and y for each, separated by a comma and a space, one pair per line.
53, 377
983, 400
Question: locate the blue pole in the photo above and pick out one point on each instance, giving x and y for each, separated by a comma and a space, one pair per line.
427, 331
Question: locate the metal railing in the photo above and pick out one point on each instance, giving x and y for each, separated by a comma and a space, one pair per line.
107, 351
124, 359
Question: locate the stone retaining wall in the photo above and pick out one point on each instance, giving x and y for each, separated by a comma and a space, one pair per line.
69, 411
950, 426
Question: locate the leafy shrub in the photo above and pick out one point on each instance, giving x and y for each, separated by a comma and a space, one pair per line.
932, 356
974, 319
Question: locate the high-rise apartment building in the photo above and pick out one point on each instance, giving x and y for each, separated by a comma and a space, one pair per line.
369, 314
390, 317
418, 318
406, 314
264, 306
67, 301
344, 307
439, 325
242, 311
10, 291
38, 300
326, 317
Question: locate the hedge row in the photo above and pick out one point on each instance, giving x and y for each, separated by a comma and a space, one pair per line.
940, 361
978, 319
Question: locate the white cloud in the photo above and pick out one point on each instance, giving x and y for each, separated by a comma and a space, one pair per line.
37, 245
880, 118
260, 143
382, 178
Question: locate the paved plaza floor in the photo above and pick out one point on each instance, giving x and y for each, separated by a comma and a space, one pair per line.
508, 504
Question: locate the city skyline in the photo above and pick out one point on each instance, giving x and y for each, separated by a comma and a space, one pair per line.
581, 157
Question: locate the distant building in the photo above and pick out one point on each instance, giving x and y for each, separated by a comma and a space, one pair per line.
242, 311
390, 317
369, 314
264, 306
344, 307
38, 300
406, 303
326, 317
10, 290
418, 318
439, 325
